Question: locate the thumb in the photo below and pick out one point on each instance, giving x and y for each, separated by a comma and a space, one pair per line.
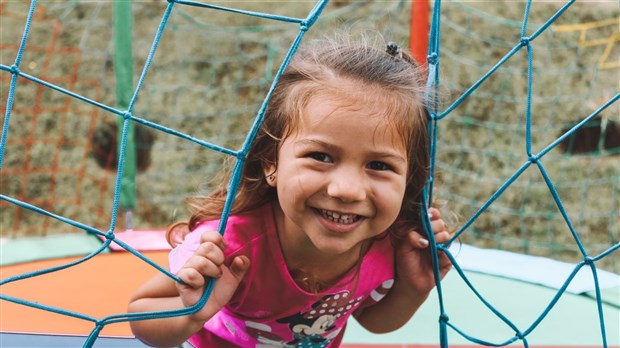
227, 284
239, 266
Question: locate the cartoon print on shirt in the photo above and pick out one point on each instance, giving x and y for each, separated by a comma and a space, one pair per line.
263, 334
311, 329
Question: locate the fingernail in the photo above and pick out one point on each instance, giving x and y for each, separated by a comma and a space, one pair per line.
424, 241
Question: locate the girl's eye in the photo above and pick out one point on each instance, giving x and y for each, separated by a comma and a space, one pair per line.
376, 165
319, 156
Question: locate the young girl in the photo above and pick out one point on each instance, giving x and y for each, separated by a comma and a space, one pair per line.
326, 221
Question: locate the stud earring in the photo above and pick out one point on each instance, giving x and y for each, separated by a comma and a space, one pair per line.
271, 177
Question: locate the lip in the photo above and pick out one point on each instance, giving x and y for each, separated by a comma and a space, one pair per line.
335, 226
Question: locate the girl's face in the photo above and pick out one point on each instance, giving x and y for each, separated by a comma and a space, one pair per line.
340, 175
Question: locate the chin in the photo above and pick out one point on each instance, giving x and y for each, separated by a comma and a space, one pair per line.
335, 248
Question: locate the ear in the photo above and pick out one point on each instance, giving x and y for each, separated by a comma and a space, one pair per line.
176, 235
270, 175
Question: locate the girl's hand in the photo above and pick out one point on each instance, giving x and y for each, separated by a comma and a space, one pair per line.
206, 263
413, 282
413, 258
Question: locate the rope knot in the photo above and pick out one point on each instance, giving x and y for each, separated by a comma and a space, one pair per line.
126, 115
588, 260
520, 335
432, 58
533, 158
444, 318
14, 69
303, 25
525, 40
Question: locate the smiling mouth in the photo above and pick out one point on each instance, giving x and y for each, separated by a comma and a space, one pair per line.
339, 217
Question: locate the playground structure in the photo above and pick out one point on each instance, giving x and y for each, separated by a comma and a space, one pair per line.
60, 153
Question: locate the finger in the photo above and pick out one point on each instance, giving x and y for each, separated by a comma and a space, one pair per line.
442, 237
207, 260
434, 214
211, 251
191, 278
227, 285
205, 266
417, 240
213, 237
438, 225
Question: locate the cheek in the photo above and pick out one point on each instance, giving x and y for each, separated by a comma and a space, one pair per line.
391, 196
293, 192
299, 182
394, 188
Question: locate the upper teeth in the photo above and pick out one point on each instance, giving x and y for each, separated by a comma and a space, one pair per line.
340, 218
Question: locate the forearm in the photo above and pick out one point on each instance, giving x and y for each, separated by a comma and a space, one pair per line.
415, 279
393, 311
165, 332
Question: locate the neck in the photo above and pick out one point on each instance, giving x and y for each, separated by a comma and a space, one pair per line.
303, 260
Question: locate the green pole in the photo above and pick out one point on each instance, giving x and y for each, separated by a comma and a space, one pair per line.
123, 67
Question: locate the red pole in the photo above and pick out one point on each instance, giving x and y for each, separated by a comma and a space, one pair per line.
418, 30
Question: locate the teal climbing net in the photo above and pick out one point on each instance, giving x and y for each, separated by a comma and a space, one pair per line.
494, 125
495, 131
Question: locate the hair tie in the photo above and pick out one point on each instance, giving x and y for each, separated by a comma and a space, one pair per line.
394, 50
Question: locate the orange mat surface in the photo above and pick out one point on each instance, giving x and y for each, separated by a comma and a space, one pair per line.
98, 287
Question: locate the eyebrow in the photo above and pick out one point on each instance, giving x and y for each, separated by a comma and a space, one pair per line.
330, 147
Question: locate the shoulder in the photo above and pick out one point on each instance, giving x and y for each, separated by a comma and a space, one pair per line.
246, 228
240, 231
381, 253
377, 268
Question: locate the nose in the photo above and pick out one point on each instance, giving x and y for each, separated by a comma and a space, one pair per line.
347, 185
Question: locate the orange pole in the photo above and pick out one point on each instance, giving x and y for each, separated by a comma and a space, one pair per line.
418, 30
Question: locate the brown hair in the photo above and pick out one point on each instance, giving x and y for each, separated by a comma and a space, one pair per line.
318, 66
